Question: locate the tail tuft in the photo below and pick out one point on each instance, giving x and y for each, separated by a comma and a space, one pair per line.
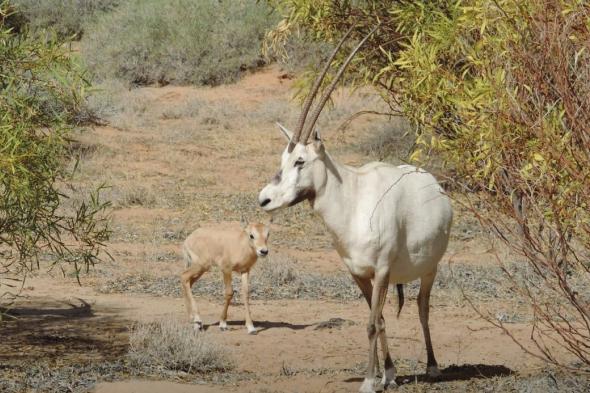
400, 297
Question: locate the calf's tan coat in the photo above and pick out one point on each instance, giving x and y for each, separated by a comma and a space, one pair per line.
233, 248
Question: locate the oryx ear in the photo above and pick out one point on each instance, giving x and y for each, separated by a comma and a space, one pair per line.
288, 134
317, 143
267, 225
316, 135
243, 222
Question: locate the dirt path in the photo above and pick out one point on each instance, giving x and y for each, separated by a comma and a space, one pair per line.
294, 351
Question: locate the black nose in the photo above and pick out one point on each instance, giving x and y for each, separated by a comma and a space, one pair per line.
264, 252
265, 202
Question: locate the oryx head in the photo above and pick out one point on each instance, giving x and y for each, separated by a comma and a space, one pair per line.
296, 180
257, 234
302, 163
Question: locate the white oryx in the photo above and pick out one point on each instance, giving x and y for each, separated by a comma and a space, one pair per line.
389, 224
232, 249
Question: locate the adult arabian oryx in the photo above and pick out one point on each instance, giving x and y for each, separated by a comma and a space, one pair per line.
389, 224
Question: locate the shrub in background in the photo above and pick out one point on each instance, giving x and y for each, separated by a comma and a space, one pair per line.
65, 17
203, 42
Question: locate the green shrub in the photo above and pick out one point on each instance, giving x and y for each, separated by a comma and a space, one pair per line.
41, 92
178, 41
66, 17
499, 90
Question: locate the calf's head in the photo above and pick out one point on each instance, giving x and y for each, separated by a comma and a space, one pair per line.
257, 234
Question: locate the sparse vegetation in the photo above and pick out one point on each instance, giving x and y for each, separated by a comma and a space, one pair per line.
170, 345
198, 42
66, 17
276, 278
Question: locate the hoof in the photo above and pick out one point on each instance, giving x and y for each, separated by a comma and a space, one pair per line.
198, 326
367, 386
223, 326
388, 379
387, 383
433, 372
252, 331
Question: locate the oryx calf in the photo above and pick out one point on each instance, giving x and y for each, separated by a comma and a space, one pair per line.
233, 249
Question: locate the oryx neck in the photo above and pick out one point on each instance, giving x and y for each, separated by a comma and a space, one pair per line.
330, 202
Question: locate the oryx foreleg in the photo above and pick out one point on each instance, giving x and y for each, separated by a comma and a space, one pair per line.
388, 368
246, 298
375, 327
228, 295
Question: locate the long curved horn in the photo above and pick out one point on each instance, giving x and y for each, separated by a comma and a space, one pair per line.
314, 90
330, 89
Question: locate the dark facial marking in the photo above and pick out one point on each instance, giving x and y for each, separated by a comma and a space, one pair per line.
306, 194
277, 178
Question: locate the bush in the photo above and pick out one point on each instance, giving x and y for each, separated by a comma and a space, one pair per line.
41, 93
169, 345
203, 42
501, 92
65, 17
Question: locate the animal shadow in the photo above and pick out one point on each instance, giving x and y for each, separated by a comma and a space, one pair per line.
458, 373
452, 373
263, 325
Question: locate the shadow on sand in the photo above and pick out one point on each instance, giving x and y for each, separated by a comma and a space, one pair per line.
262, 325
453, 373
47, 329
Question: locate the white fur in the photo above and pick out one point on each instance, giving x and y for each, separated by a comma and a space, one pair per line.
385, 221
380, 216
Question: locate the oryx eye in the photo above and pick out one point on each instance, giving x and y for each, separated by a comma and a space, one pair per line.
252, 236
299, 163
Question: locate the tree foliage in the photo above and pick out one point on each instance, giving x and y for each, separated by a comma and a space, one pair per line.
41, 93
500, 90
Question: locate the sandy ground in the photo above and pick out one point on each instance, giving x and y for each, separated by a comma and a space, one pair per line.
290, 342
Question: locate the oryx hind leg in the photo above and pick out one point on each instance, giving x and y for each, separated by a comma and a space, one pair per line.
426, 283
187, 279
246, 299
228, 295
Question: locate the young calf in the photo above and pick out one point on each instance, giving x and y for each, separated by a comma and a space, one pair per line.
233, 249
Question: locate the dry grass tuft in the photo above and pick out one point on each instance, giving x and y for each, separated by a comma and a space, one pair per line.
169, 345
